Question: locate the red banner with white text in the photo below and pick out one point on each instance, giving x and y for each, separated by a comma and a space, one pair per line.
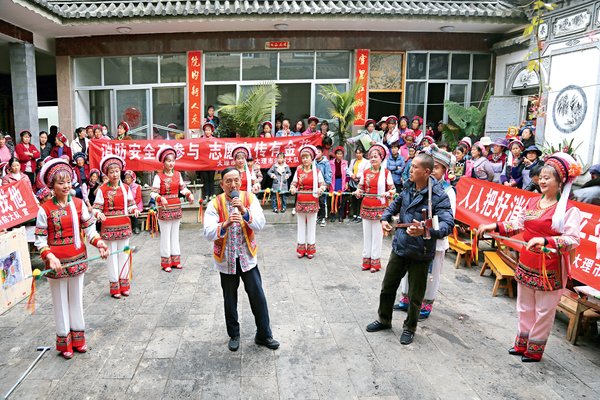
481, 202
201, 154
17, 204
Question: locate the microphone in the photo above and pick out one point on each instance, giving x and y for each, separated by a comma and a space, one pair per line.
234, 195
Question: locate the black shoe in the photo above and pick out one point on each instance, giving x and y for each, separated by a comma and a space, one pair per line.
377, 326
234, 343
358, 220
526, 359
513, 352
407, 337
136, 230
275, 211
268, 342
283, 211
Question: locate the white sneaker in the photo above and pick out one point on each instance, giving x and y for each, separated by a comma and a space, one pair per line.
294, 211
323, 222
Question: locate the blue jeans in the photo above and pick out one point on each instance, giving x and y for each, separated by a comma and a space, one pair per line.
283, 198
258, 302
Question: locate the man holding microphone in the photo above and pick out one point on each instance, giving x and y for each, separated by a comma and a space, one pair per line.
230, 221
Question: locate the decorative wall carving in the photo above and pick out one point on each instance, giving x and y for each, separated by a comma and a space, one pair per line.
572, 23
570, 109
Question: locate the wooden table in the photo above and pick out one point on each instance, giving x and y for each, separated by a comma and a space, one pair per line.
583, 304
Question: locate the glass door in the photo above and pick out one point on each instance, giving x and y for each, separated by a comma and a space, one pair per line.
132, 107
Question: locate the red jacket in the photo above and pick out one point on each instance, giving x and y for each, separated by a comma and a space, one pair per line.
20, 151
86, 171
66, 151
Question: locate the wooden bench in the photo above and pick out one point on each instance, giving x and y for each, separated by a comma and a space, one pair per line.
501, 269
463, 251
568, 307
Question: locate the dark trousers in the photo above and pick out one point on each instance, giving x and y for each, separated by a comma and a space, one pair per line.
396, 268
31, 177
135, 222
323, 205
355, 206
258, 302
208, 179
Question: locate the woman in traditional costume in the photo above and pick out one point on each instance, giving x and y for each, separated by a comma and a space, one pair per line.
309, 182
378, 184
166, 187
113, 204
58, 235
551, 225
250, 182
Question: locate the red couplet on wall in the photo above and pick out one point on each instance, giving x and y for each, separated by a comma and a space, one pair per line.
194, 91
361, 76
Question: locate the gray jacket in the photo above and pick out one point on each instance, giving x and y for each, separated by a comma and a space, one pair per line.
280, 178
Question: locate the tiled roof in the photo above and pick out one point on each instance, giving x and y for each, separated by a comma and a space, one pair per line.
486, 9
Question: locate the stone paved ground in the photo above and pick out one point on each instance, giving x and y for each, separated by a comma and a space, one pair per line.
168, 340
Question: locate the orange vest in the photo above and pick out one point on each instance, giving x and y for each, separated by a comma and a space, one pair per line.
220, 204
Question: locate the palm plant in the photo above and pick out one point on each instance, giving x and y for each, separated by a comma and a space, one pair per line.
465, 121
342, 105
245, 114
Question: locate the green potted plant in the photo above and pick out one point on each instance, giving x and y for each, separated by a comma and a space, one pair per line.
342, 105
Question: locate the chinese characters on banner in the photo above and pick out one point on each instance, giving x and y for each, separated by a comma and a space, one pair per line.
481, 202
362, 75
194, 86
17, 204
201, 154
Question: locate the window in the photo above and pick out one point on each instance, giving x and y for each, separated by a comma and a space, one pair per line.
88, 71
144, 69
259, 66
321, 105
222, 67
295, 65
167, 107
173, 68
116, 71
333, 65
433, 78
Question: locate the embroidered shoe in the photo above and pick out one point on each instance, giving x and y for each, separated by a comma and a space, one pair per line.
67, 354
167, 269
80, 349
425, 310
403, 304
125, 293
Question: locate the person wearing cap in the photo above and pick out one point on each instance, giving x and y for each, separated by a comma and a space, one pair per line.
114, 202
60, 147
382, 125
413, 247
59, 227
338, 167
43, 194
375, 181
240, 155
27, 153
5, 153
527, 134
312, 126
129, 178
467, 144
266, 129
481, 167
80, 144
122, 130
497, 158
395, 164
530, 161
409, 140
166, 187
415, 125
590, 191
547, 222
208, 177
82, 175
309, 184
512, 175
370, 134
231, 221
443, 163
486, 142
